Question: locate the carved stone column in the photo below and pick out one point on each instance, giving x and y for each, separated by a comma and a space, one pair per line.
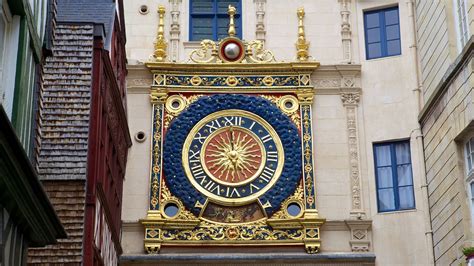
346, 31
260, 26
175, 30
350, 100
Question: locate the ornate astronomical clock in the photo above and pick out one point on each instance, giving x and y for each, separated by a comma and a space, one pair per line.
232, 154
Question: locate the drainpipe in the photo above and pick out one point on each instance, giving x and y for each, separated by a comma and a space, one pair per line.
419, 134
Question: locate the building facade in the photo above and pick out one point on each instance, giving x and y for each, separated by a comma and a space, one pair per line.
83, 136
445, 53
366, 91
27, 218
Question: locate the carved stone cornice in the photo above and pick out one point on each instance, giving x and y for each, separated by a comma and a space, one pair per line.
350, 98
360, 239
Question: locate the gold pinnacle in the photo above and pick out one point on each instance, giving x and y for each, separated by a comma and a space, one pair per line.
231, 11
301, 44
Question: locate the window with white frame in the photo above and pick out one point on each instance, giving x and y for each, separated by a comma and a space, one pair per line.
469, 162
462, 26
469, 151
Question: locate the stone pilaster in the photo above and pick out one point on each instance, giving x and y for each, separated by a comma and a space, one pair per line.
260, 26
346, 31
350, 100
175, 29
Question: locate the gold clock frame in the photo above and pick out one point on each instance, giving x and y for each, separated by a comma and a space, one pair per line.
287, 85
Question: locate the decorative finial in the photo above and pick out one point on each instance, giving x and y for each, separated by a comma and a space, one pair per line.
301, 45
160, 44
231, 11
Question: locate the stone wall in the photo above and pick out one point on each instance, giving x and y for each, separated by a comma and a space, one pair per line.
444, 125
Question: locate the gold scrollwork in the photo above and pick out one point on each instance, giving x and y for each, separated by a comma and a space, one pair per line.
268, 80
297, 197
175, 104
196, 80
218, 232
167, 197
231, 81
187, 101
294, 115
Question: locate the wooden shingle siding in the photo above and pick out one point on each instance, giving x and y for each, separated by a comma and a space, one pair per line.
433, 43
68, 198
64, 112
446, 188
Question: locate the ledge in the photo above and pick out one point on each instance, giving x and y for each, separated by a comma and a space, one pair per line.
22, 193
293, 258
443, 85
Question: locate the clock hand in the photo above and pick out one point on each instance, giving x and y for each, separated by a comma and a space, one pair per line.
231, 138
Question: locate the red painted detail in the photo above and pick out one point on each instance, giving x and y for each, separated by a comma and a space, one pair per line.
109, 140
224, 44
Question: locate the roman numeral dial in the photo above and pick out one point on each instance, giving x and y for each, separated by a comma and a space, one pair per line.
233, 157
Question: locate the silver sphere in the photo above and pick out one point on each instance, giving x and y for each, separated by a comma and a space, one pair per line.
232, 51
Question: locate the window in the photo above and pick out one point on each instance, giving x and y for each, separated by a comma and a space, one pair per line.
209, 19
393, 175
382, 33
469, 156
469, 148
462, 28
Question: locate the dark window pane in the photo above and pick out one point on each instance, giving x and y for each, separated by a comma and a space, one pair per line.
391, 17
384, 177
372, 20
406, 197
386, 200
393, 32
202, 6
223, 6
202, 28
393, 47
382, 153
375, 50
404, 175
373, 35
402, 150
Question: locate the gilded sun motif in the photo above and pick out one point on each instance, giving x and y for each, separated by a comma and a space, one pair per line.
233, 155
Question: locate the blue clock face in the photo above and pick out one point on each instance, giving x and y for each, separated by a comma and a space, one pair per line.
233, 156
232, 150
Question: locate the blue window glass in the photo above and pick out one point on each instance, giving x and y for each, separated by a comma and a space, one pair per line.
394, 178
382, 33
209, 19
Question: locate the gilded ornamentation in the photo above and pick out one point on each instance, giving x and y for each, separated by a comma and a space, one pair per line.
158, 79
233, 81
301, 44
308, 157
231, 11
206, 54
156, 158
234, 155
292, 113
183, 214
237, 233
159, 55
257, 54
298, 196
175, 112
